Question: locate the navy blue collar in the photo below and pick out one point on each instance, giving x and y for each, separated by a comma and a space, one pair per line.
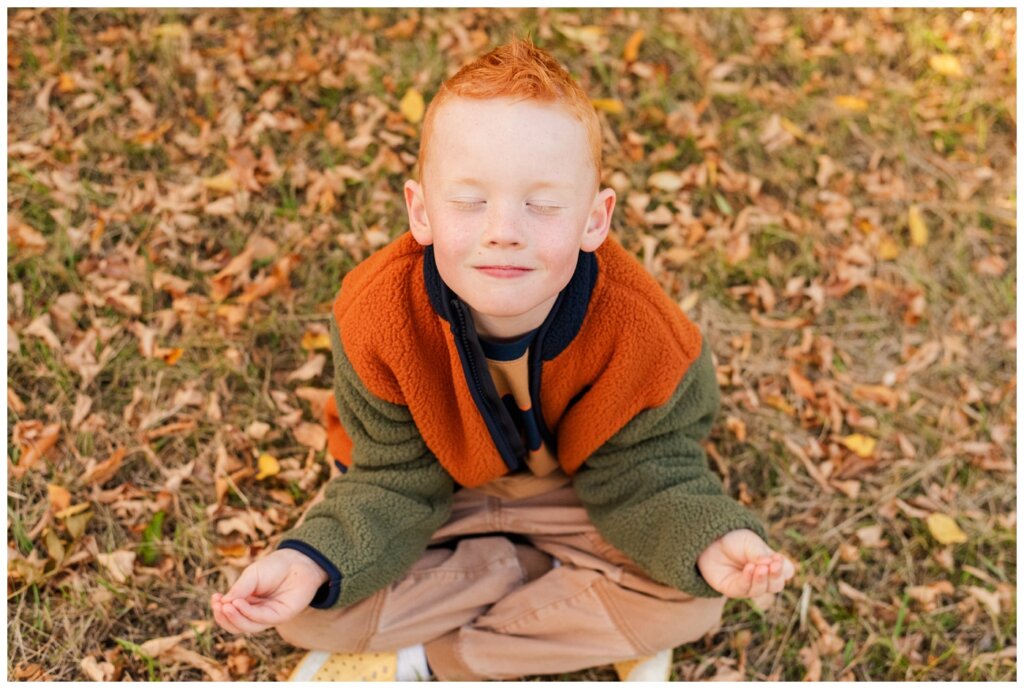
507, 351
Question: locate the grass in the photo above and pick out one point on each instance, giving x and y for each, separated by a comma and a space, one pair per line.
62, 613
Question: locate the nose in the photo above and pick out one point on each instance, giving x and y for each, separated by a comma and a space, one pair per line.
501, 227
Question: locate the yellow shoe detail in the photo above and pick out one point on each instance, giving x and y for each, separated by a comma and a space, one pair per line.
321, 666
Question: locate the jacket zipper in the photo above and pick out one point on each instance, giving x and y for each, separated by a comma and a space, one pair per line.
503, 450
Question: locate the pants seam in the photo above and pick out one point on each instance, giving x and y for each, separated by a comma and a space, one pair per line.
621, 624
373, 624
507, 624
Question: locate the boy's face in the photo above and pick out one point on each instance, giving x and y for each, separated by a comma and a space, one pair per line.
509, 196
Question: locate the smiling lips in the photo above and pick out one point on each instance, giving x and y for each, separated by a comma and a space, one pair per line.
504, 271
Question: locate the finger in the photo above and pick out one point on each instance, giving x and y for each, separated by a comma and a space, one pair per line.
236, 618
246, 585
225, 623
788, 568
261, 614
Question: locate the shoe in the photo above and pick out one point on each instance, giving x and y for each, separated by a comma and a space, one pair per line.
324, 666
655, 668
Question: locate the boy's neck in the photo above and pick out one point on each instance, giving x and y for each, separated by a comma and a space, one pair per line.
509, 328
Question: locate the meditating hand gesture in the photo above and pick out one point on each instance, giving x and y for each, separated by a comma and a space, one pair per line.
741, 565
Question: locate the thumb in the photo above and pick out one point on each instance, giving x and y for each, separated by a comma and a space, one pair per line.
246, 585
754, 547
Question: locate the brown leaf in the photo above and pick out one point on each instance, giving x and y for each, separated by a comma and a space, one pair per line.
311, 435
40, 327
119, 564
311, 369
37, 446
811, 661
801, 385
104, 471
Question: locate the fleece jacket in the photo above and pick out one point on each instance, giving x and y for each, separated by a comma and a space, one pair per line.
624, 390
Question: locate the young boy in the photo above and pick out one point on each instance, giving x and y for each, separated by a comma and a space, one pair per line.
519, 407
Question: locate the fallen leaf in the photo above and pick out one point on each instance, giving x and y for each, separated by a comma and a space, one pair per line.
311, 341
871, 536
225, 182
60, 497
632, 48
854, 103
40, 327
946, 65
860, 445
101, 473
612, 106
96, 670
591, 37
310, 369
666, 180
928, 594
119, 564
801, 385
987, 598
918, 228
257, 430
945, 529
811, 661
311, 435
412, 105
38, 446
268, 466
83, 403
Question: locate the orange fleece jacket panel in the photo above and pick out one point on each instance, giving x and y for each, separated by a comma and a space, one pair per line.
633, 349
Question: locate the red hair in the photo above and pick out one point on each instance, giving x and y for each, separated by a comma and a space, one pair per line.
522, 71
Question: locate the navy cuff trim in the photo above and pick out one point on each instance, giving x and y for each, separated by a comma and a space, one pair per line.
341, 467
328, 593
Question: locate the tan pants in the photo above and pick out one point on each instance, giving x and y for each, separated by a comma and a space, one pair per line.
486, 607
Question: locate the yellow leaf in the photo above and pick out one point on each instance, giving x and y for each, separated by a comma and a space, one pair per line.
268, 466
792, 128
224, 182
946, 65
855, 103
861, 445
918, 230
589, 36
609, 105
412, 105
632, 49
888, 249
945, 529
173, 30
72, 511
311, 341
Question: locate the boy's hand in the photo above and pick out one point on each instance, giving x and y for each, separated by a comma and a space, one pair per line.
741, 565
269, 592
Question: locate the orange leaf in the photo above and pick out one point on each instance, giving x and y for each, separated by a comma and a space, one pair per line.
60, 498
632, 49
801, 385
36, 447
105, 470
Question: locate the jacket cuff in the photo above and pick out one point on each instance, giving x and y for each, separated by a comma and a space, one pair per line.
328, 593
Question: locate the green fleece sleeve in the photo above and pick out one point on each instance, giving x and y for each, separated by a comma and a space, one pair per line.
649, 490
377, 518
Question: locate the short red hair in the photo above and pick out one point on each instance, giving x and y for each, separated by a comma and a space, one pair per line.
522, 71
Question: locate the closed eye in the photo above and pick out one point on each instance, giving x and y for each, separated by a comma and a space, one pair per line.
547, 209
466, 204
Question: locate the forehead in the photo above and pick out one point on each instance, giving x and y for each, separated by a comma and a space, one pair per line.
502, 133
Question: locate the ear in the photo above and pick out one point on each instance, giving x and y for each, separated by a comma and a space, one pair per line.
599, 220
419, 224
